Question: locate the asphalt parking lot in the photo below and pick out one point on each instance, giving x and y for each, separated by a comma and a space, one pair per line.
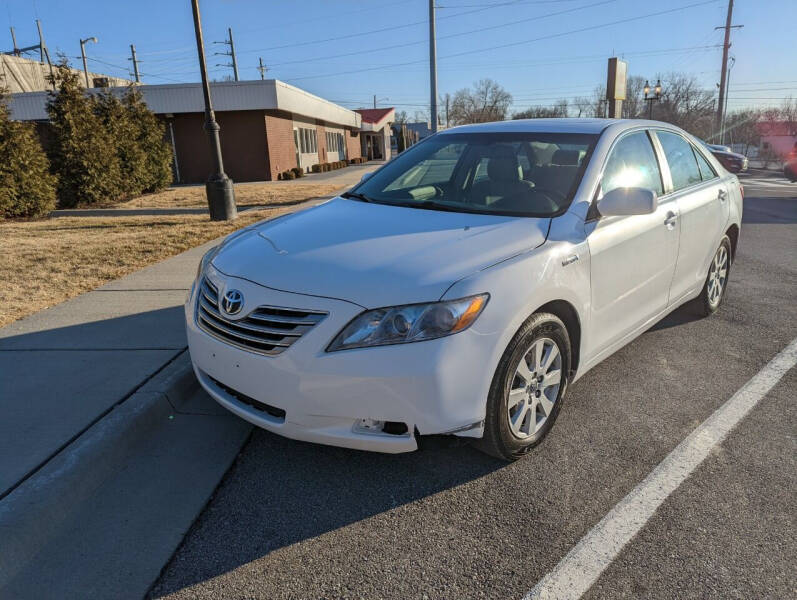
296, 520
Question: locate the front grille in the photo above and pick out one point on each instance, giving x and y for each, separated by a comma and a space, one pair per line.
266, 330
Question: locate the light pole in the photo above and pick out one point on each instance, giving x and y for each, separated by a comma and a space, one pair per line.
432, 66
219, 189
83, 55
651, 98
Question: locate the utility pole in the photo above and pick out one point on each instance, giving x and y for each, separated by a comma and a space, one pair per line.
727, 93
724, 72
374, 100
262, 68
135, 62
448, 98
83, 55
219, 188
432, 66
231, 53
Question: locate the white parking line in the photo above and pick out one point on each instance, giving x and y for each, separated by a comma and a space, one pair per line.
582, 566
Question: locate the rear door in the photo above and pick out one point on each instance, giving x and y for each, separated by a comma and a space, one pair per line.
632, 258
702, 199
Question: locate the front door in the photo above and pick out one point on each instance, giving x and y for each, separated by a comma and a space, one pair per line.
703, 211
633, 257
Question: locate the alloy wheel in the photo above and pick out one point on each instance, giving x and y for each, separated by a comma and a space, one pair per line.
717, 276
535, 388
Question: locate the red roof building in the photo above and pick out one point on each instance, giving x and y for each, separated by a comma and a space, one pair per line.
375, 132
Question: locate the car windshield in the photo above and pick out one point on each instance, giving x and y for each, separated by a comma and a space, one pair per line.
523, 174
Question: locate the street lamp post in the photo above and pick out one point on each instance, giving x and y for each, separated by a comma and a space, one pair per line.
83, 55
650, 98
219, 188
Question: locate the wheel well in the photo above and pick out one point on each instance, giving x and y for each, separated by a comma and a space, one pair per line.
565, 311
733, 235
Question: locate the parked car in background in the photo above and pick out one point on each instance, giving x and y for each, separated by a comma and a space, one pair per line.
732, 161
465, 285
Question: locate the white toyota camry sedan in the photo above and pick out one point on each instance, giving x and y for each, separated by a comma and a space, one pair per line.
465, 285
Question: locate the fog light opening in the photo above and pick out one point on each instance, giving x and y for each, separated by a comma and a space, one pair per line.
384, 427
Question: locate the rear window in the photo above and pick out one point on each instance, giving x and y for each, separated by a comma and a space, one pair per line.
526, 174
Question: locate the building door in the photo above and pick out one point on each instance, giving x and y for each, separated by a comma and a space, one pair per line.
296, 145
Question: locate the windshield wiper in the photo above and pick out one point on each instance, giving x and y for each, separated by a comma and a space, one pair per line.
356, 196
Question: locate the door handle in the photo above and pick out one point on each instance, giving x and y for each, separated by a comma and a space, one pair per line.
670, 220
722, 195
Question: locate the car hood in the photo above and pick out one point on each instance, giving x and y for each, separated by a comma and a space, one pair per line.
373, 254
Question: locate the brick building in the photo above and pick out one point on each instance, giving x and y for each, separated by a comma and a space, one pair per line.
266, 127
376, 132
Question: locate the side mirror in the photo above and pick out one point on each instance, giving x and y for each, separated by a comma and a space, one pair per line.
621, 202
366, 177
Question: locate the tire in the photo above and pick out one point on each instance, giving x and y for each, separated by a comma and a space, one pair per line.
511, 438
710, 299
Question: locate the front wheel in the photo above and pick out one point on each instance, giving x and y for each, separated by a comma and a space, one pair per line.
528, 388
717, 280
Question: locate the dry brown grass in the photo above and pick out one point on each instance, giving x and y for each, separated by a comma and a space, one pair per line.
46, 262
275, 193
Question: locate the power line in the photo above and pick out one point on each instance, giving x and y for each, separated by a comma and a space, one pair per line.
444, 37
541, 38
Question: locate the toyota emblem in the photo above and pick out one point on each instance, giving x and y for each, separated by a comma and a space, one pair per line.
232, 302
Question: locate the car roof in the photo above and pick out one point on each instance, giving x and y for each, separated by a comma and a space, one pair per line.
562, 125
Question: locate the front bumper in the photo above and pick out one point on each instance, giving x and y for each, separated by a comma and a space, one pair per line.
436, 386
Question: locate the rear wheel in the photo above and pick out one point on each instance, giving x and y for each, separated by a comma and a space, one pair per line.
528, 388
717, 279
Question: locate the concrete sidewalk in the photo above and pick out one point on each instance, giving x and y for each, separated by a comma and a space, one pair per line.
64, 368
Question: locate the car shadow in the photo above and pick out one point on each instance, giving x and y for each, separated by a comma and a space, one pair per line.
281, 492
680, 316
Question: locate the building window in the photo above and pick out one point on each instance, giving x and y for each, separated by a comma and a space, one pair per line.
308, 142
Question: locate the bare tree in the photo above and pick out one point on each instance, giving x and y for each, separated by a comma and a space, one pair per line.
685, 104
634, 106
560, 109
486, 102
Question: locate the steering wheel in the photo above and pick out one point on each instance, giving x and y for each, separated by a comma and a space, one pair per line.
438, 191
551, 193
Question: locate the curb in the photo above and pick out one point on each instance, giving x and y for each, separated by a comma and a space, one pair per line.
33, 513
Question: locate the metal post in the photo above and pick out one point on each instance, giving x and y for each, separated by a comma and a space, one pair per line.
219, 188
135, 62
85, 66
14, 40
727, 93
41, 41
262, 68
448, 98
374, 100
432, 66
723, 74
232, 53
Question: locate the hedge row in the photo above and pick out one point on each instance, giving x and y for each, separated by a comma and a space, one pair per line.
330, 166
358, 161
103, 149
27, 189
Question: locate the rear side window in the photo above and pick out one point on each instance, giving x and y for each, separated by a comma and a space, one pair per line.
681, 158
632, 163
706, 170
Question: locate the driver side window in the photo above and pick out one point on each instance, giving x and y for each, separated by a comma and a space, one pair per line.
632, 163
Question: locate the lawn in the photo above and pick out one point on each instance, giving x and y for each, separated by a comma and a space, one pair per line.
46, 262
271, 193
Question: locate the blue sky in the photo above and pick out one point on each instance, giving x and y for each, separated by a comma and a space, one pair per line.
539, 50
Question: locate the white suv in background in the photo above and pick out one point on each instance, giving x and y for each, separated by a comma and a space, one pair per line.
465, 285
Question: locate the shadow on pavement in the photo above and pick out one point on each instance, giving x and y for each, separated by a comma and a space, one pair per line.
762, 210
58, 378
282, 492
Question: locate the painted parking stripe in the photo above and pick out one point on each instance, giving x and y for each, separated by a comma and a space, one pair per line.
582, 566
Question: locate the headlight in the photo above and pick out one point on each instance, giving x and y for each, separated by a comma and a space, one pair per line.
206, 258
409, 323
